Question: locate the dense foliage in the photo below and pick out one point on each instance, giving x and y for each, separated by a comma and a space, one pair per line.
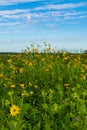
43, 91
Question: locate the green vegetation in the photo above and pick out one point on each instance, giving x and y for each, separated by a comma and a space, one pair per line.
43, 91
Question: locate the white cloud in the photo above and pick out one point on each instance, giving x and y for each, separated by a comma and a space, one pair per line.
27, 16
61, 6
51, 25
82, 16
11, 12
12, 2
74, 14
55, 14
16, 14
10, 24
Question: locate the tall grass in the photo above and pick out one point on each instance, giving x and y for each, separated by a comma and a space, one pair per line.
43, 91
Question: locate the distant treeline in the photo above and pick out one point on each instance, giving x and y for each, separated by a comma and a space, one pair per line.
14, 53
10, 52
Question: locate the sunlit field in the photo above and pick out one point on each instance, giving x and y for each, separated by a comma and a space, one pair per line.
43, 91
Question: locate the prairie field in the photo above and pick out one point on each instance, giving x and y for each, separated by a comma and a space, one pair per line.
43, 90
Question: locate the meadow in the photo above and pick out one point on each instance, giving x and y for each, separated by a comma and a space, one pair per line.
43, 90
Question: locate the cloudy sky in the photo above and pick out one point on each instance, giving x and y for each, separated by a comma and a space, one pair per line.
62, 23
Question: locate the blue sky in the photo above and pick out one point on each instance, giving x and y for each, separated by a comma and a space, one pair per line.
62, 23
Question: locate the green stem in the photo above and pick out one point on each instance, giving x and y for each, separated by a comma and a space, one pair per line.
2, 103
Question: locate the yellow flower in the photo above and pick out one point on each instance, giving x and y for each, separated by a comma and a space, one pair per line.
22, 94
1, 75
82, 70
83, 77
34, 49
85, 66
43, 59
9, 60
65, 58
30, 83
12, 86
14, 110
58, 51
31, 92
30, 64
35, 86
21, 70
66, 85
22, 85
46, 70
